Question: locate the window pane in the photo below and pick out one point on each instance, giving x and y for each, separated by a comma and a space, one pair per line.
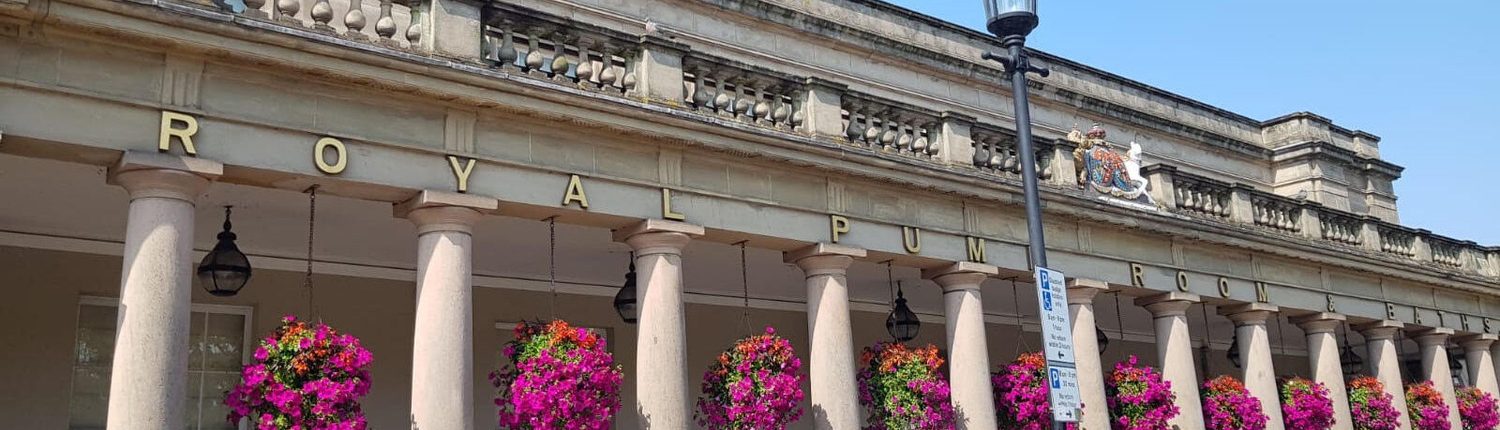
96, 336
195, 341
194, 388
215, 414
90, 403
223, 347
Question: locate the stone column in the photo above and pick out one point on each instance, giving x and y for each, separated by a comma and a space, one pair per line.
442, 370
968, 352
1481, 363
1323, 359
957, 139
1434, 343
1255, 349
661, 388
1081, 294
660, 67
834, 395
1174, 351
148, 378
823, 106
1385, 362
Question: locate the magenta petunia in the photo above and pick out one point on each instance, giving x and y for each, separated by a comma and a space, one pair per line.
299, 382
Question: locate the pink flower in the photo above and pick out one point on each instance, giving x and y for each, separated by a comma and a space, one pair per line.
1305, 405
303, 379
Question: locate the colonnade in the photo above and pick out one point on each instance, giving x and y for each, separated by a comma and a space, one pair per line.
149, 369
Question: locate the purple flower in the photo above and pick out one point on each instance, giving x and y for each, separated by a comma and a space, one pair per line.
304, 377
1305, 405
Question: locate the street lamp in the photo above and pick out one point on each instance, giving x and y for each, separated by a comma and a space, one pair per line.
625, 302
1011, 21
225, 270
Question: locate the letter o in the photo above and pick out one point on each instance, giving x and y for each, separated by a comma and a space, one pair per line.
323, 164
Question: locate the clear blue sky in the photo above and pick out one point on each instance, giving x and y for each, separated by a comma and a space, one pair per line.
1425, 77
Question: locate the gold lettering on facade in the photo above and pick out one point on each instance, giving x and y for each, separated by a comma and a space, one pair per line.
320, 156
184, 134
1137, 275
838, 225
1416, 314
911, 238
1440, 320
1329, 297
1182, 281
1223, 287
1260, 293
666, 207
1390, 311
575, 193
1487, 328
1464, 319
976, 249
460, 172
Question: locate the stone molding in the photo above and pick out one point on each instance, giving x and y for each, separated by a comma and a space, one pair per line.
961, 276
658, 236
150, 174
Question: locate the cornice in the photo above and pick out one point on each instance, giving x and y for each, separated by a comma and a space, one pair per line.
1324, 151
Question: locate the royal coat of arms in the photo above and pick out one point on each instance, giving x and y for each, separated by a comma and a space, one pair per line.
1102, 169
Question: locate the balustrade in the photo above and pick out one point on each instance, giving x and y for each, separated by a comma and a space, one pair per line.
890, 126
1398, 241
391, 19
1277, 213
1446, 252
742, 92
566, 52
1339, 228
995, 150
1201, 196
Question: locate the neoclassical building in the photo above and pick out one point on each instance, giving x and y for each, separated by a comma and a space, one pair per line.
425, 174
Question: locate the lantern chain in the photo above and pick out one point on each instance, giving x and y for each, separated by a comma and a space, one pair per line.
1208, 340
552, 267
1015, 297
312, 216
745, 287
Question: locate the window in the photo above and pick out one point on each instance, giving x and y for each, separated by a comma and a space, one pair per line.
218, 347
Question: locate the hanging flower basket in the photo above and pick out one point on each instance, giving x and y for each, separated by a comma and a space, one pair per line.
756, 384
1227, 405
1305, 405
902, 388
1477, 409
1138, 398
1022, 399
558, 377
1425, 407
303, 377
1370, 407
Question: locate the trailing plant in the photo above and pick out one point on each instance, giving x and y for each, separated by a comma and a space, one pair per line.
1426, 407
1138, 398
1227, 405
903, 389
1370, 407
1477, 409
304, 377
1022, 399
754, 385
1305, 405
558, 377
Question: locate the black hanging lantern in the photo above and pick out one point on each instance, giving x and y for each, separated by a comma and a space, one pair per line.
1234, 352
1350, 362
902, 323
1103, 339
625, 302
225, 270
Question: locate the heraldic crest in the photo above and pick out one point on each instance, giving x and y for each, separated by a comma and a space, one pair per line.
1106, 171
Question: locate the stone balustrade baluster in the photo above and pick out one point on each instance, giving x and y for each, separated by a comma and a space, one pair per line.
322, 14
286, 10
355, 21
414, 28
385, 25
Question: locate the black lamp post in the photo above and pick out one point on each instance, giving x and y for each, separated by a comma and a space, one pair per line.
1012, 21
1103, 339
225, 270
902, 323
625, 302
1234, 352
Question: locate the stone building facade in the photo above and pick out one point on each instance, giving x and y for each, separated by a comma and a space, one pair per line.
766, 162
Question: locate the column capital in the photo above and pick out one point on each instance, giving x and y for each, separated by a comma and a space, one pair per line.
151, 174
444, 211
658, 236
1479, 341
1380, 330
1434, 336
1319, 322
1082, 291
1249, 313
1168, 304
960, 276
824, 258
